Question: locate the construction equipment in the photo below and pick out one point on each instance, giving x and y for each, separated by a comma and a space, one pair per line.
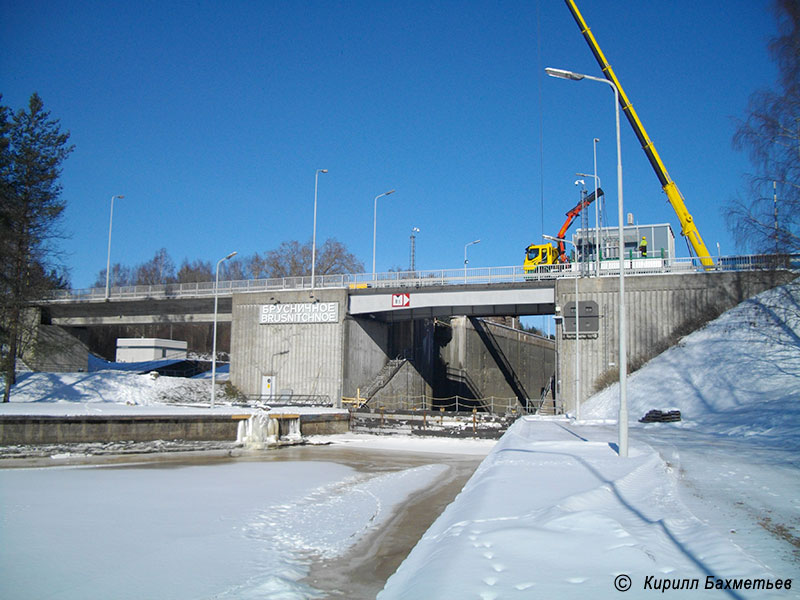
537, 255
674, 196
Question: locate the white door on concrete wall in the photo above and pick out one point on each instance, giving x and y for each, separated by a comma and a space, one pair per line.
268, 386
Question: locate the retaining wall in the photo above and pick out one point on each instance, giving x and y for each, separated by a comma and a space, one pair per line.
657, 309
27, 430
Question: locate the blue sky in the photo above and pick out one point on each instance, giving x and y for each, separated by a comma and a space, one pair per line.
212, 117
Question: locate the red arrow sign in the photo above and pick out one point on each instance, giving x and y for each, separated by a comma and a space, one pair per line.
401, 300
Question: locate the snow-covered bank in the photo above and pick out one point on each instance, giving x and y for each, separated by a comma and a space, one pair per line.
738, 376
99, 391
553, 512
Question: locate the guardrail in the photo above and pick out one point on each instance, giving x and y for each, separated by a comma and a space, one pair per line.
398, 279
310, 400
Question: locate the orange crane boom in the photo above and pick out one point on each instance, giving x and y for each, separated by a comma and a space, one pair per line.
571, 215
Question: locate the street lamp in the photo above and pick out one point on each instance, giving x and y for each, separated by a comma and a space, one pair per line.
314, 235
623, 359
465, 257
412, 263
577, 330
108, 260
596, 208
375, 228
214, 343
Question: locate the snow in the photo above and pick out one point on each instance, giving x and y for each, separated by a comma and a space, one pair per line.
119, 392
738, 376
232, 530
552, 511
402, 443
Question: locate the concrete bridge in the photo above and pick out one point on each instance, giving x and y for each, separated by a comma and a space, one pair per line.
347, 334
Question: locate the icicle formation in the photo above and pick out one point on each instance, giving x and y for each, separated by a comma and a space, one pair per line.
294, 430
257, 432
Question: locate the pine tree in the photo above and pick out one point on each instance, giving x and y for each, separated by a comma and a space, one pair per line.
32, 150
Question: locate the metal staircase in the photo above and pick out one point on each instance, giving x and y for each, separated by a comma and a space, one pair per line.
383, 377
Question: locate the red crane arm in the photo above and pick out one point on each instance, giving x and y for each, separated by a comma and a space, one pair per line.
571, 214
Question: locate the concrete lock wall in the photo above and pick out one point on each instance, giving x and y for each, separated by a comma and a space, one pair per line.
471, 362
657, 307
370, 345
302, 356
366, 352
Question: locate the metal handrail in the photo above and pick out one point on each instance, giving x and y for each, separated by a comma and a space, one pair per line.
398, 279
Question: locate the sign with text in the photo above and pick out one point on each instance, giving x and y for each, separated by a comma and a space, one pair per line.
401, 300
305, 312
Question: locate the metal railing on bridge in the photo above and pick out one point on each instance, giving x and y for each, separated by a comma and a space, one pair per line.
416, 279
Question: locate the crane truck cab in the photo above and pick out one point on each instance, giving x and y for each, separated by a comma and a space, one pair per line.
537, 255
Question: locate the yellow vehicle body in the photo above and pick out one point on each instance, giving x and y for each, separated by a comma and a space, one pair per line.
537, 255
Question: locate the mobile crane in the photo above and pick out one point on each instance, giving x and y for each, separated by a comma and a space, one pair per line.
674, 196
547, 254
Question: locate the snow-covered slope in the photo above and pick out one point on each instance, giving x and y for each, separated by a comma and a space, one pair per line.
738, 376
553, 512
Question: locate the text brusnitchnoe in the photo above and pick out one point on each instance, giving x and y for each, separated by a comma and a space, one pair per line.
306, 312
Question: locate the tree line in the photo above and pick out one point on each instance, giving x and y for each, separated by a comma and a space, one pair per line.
33, 148
290, 259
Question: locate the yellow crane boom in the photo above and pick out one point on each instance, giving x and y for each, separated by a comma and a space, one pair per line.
688, 227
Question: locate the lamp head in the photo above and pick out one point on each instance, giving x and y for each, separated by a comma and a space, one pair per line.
563, 74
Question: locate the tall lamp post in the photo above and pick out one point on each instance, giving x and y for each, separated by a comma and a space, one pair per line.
214, 342
412, 261
623, 359
596, 215
465, 257
577, 329
108, 260
314, 235
375, 228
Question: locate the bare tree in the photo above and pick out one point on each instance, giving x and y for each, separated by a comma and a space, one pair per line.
121, 275
334, 258
233, 270
293, 259
766, 218
195, 272
158, 270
